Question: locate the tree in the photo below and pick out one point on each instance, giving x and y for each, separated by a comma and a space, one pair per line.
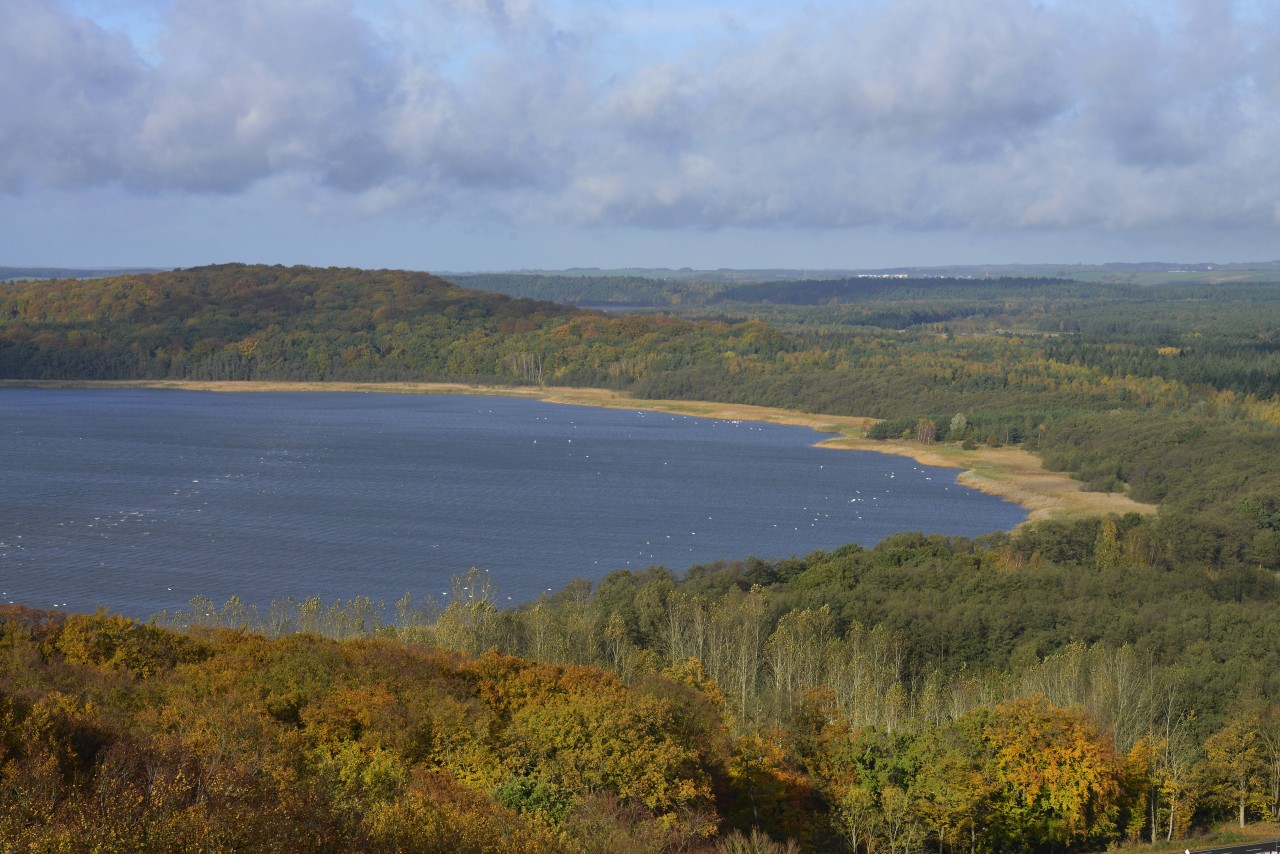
797, 652
950, 793
1106, 549
1174, 792
739, 628
1057, 781
1269, 733
926, 431
857, 816
898, 821
1236, 766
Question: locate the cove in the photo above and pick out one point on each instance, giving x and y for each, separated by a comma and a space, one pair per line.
140, 499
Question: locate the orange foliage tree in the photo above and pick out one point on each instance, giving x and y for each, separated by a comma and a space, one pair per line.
1057, 781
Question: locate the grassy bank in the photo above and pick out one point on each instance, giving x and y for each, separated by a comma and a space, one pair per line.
1220, 836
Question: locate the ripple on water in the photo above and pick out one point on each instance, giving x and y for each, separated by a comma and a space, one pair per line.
141, 499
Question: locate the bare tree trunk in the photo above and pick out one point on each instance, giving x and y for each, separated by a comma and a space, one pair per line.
1155, 796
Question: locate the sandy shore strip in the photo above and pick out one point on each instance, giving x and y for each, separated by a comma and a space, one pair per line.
1011, 473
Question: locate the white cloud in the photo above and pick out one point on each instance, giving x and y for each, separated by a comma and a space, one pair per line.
916, 114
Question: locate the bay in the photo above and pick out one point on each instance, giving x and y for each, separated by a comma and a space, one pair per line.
140, 499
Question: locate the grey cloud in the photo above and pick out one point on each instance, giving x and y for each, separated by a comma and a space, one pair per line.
998, 114
835, 120
247, 89
1163, 101
65, 85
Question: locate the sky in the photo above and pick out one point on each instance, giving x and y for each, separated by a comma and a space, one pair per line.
468, 135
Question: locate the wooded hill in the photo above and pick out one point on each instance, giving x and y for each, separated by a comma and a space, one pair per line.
690, 293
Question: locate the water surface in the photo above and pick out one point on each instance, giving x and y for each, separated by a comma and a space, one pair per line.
140, 499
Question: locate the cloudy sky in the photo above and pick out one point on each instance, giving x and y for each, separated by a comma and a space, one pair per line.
504, 134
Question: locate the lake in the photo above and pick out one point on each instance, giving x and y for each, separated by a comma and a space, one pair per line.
140, 499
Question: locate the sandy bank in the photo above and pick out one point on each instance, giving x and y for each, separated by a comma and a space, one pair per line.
1010, 473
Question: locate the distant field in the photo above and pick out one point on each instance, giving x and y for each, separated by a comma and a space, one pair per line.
13, 274
1180, 277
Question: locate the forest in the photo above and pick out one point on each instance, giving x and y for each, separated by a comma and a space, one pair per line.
1074, 685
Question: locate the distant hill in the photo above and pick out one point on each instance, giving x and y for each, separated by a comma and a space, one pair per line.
677, 289
623, 291
1208, 271
8, 274
589, 290
859, 289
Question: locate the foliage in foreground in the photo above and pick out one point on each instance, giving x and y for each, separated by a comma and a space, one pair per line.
912, 696
116, 736
120, 736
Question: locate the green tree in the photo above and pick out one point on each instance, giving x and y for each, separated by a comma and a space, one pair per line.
1236, 767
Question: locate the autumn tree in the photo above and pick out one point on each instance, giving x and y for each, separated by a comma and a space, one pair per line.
1236, 766
1056, 780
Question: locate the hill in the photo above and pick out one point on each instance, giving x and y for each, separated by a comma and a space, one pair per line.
236, 322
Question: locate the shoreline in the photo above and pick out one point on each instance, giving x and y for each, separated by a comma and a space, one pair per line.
1013, 474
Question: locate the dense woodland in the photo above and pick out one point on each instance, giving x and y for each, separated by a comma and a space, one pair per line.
1069, 686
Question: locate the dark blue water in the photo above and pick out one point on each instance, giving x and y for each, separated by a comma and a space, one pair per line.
141, 499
